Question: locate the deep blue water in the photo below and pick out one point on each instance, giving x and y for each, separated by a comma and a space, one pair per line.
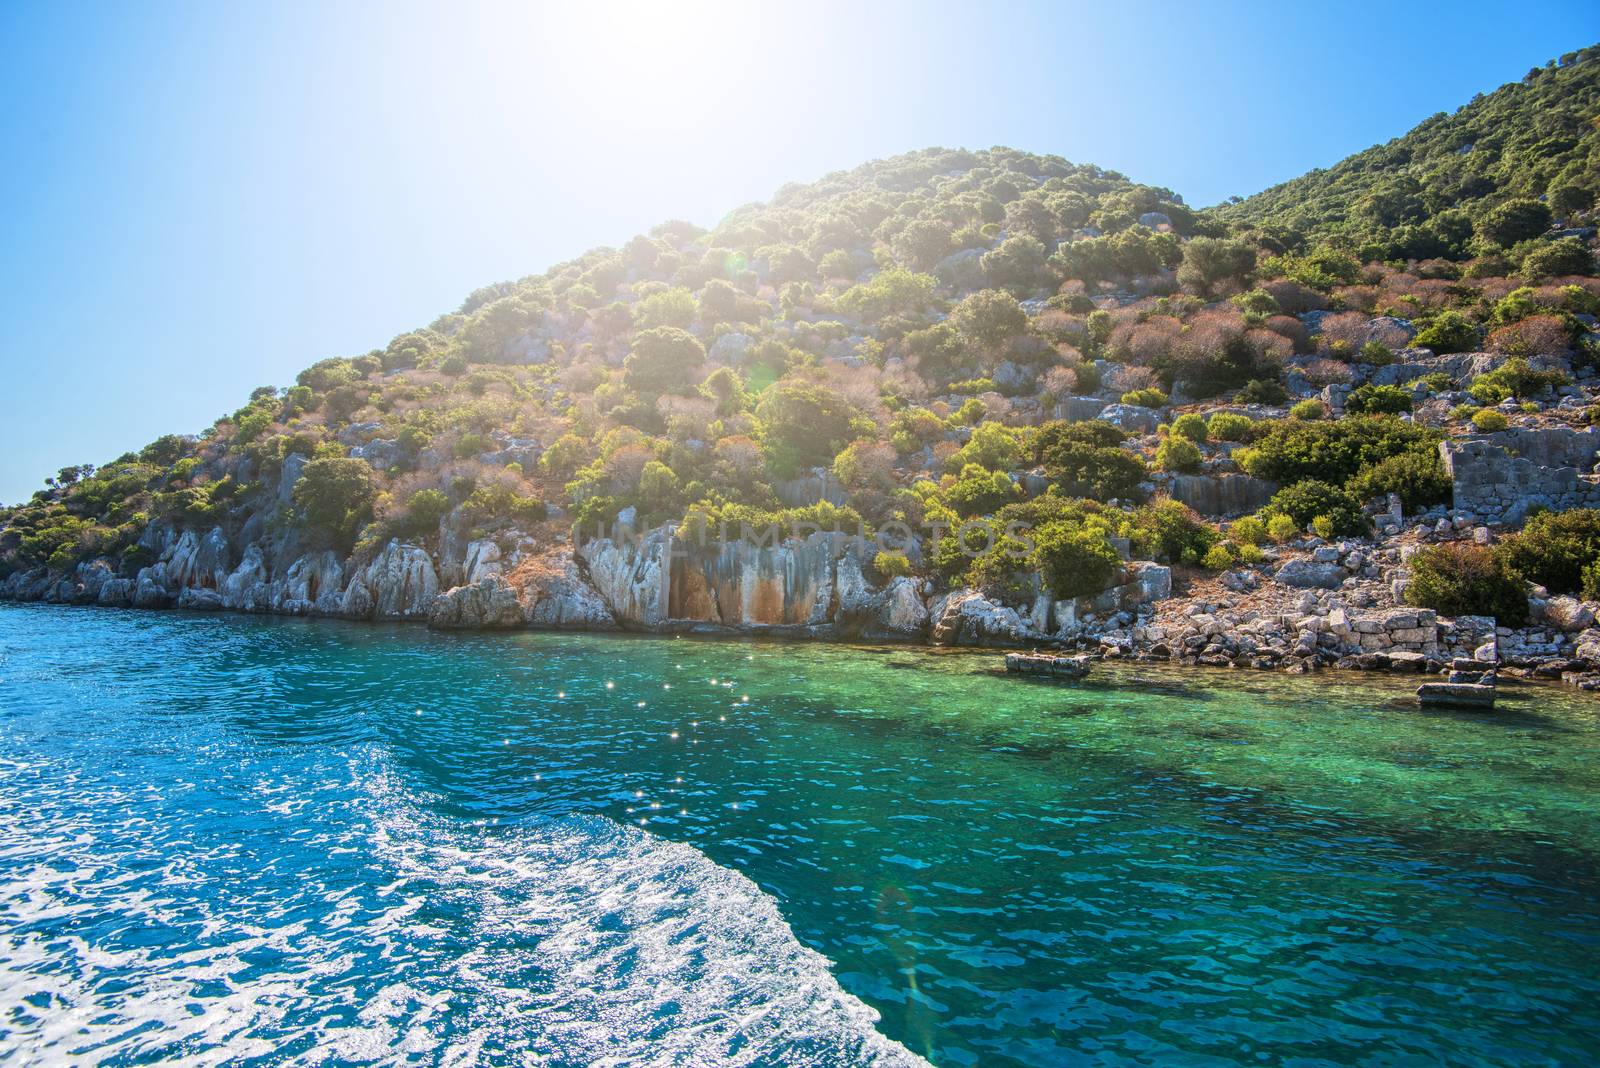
231, 840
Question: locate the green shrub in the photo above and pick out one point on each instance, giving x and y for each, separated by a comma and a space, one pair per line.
1515, 378
1376, 354
891, 564
1378, 400
971, 413
979, 491
1591, 581
333, 497
1191, 425
1310, 499
1514, 220
1323, 527
1084, 461
663, 359
1308, 410
1435, 382
1178, 454
1280, 528
493, 505
1553, 548
1171, 531
1463, 579
1333, 452
803, 425
1262, 391
1075, 560
1145, 398
1418, 477
1229, 426
1489, 421
992, 445
424, 509
1449, 331
1248, 530
1217, 558
472, 443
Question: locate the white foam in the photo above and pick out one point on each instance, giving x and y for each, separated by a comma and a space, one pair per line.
648, 952
575, 942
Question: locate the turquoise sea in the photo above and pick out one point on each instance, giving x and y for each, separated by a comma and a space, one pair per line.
229, 840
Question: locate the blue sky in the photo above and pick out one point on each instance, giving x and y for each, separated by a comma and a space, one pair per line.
204, 198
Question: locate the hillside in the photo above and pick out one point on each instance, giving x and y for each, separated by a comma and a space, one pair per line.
1431, 192
1096, 381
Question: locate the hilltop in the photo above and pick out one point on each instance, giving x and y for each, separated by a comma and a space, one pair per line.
1430, 192
1115, 395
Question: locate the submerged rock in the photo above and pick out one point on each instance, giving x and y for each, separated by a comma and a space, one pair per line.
1055, 667
1456, 694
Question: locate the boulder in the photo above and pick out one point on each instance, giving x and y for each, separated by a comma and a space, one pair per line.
967, 617
489, 603
1568, 614
1131, 417
1307, 574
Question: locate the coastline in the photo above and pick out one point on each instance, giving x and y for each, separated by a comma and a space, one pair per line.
1519, 681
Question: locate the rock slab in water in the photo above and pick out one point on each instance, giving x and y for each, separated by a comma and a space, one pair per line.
1456, 694
1056, 667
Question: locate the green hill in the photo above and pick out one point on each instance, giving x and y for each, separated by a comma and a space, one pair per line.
1430, 192
916, 328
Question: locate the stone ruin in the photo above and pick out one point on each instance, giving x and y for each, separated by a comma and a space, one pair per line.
1499, 478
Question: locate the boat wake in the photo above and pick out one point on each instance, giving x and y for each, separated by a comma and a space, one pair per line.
373, 929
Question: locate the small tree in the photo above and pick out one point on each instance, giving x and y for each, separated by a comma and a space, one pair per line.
663, 360
1462, 579
1074, 560
1449, 331
333, 497
1208, 261
1513, 220
988, 319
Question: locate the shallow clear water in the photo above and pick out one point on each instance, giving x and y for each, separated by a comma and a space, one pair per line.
252, 840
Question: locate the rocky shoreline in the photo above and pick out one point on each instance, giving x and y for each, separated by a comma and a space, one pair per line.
1308, 605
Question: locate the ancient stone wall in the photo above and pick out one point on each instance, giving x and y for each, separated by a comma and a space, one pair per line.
1499, 478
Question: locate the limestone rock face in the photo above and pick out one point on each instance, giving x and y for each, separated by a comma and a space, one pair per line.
556, 596
312, 586
1132, 418
116, 593
1588, 646
967, 617
150, 589
547, 592
245, 590
482, 560
738, 584
197, 599
90, 578
901, 610
399, 583
896, 611
631, 576
488, 603
1222, 495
